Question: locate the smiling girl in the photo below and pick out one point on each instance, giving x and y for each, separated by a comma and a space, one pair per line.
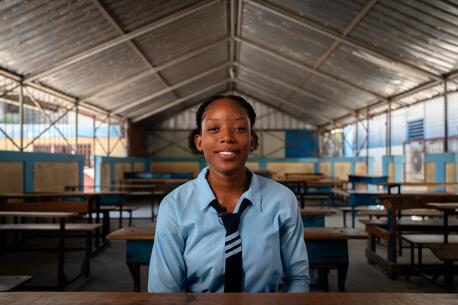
228, 230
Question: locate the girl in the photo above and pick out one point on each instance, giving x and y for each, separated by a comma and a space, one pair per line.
228, 230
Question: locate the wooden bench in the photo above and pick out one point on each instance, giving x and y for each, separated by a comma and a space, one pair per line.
10, 282
61, 228
419, 241
448, 253
139, 244
314, 216
120, 209
328, 249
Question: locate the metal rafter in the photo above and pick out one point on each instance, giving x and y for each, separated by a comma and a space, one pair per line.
179, 101
365, 10
52, 123
132, 79
258, 88
294, 88
119, 40
149, 97
304, 67
63, 96
231, 42
131, 43
310, 126
338, 37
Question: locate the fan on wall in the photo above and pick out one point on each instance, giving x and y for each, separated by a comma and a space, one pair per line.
415, 161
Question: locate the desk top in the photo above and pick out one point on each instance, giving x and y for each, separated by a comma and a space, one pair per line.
317, 211
60, 194
132, 233
333, 234
432, 184
329, 298
445, 251
443, 205
39, 214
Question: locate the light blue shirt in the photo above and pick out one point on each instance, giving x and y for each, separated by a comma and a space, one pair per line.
188, 251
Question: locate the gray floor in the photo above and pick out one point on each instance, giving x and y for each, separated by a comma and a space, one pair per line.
109, 271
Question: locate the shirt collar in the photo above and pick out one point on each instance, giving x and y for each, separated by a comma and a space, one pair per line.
206, 194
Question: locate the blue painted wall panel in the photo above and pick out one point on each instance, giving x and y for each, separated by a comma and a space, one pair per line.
301, 144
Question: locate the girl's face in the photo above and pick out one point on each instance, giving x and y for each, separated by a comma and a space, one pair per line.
226, 138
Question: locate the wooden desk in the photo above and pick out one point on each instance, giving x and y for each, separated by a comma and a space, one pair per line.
357, 198
129, 298
393, 204
398, 185
448, 253
447, 208
139, 244
366, 179
303, 186
62, 216
314, 216
327, 248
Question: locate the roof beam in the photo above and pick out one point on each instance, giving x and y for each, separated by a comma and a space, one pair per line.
340, 38
131, 43
71, 99
132, 104
310, 126
335, 43
256, 87
119, 40
179, 101
122, 83
294, 88
304, 67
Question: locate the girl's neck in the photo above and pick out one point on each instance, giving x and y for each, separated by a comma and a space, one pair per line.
228, 188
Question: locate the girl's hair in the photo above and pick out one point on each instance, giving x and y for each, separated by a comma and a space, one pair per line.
203, 108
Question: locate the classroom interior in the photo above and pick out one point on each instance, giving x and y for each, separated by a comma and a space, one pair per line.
357, 114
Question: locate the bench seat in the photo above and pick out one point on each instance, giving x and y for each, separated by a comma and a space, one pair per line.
71, 227
9, 282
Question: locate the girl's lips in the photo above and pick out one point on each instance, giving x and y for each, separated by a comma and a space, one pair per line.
227, 155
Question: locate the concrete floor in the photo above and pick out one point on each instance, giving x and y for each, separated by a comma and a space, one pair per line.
109, 271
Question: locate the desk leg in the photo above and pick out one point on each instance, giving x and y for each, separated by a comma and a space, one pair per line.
324, 283
392, 229
341, 276
61, 278
353, 214
135, 272
448, 276
87, 256
446, 226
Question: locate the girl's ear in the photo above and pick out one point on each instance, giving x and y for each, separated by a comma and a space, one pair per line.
252, 142
198, 142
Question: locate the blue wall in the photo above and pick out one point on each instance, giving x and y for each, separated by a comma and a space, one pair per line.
29, 159
301, 144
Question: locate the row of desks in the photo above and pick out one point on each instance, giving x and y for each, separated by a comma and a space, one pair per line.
326, 247
120, 298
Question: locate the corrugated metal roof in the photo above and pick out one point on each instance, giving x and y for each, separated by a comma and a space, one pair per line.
318, 61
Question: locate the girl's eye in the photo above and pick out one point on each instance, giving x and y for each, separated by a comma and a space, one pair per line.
212, 129
240, 128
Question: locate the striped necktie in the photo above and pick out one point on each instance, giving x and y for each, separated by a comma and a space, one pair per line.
233, 246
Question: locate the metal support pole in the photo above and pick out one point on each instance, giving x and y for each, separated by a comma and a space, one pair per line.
357, 134
367, 141
76, 125
445, 117
388, 130
108, 136
93, 145
21, 115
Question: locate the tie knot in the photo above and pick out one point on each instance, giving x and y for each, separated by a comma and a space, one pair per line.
231, 221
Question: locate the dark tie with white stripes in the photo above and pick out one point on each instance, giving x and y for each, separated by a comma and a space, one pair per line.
233, 246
